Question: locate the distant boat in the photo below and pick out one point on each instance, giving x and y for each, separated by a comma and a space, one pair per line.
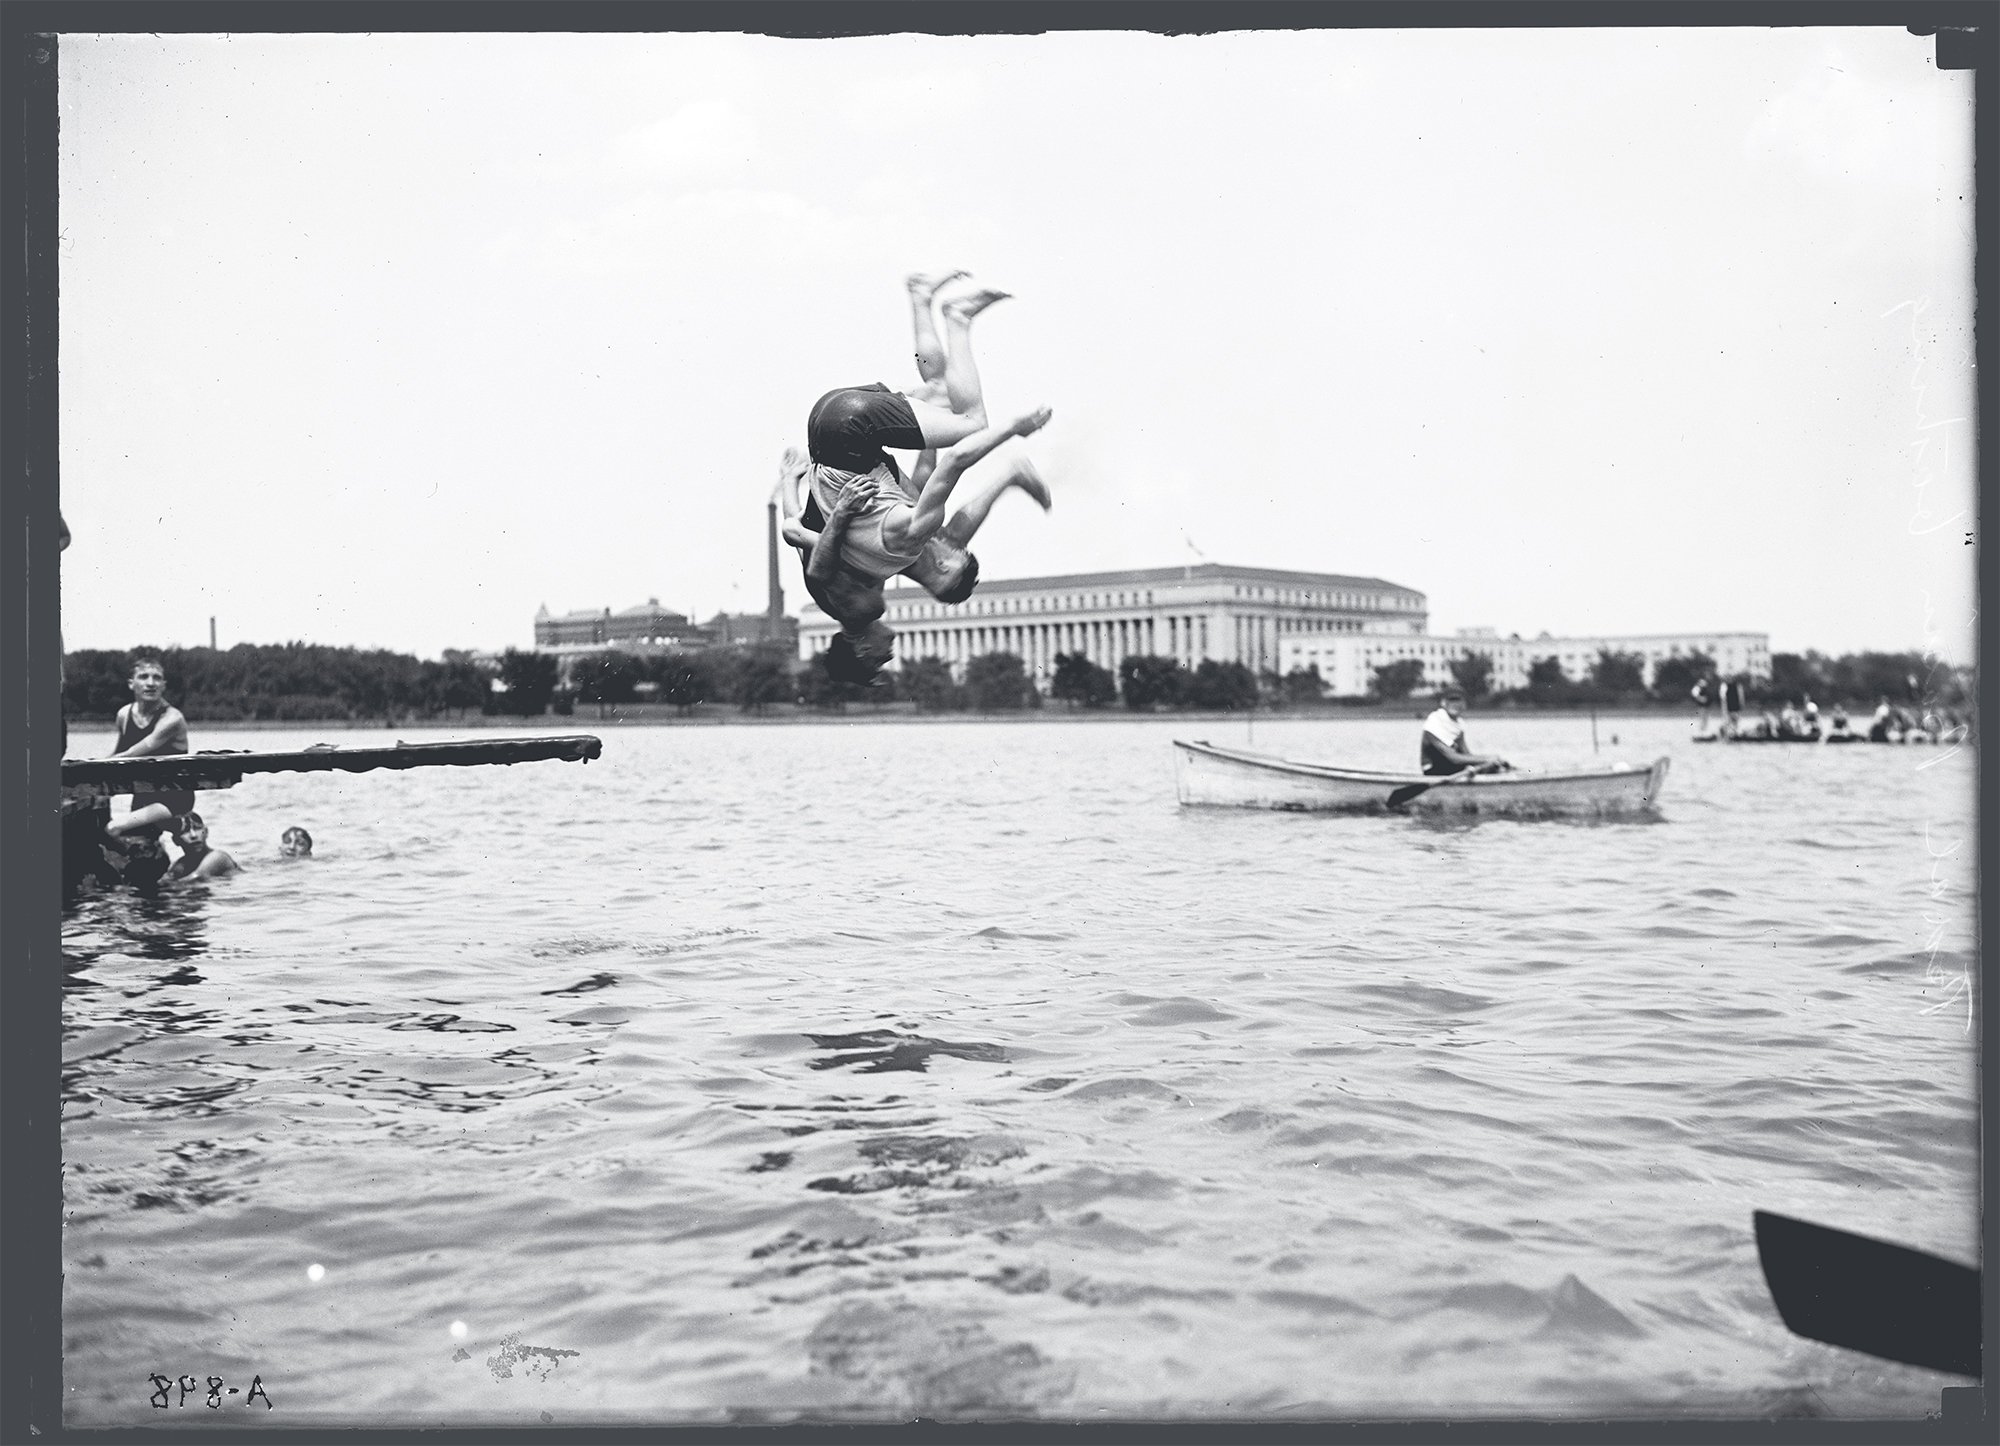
1839, 735
1773, 738
1206, 775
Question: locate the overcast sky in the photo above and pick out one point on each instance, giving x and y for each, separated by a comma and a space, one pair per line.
388, 340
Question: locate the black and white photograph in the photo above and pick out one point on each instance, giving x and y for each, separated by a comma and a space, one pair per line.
1067, 723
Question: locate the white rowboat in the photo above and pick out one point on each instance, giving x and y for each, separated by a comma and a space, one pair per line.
1230, 778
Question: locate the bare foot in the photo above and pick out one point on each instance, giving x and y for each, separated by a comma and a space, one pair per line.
964, 308
1030, 422
1030, 481
792, 464
924, 284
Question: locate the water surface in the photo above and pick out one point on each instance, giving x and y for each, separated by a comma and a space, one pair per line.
878, 1069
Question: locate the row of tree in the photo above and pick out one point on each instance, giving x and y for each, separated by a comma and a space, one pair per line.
305, 681
1619, 678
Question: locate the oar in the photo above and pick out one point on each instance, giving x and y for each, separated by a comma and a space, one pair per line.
1868, 1295
1399, 797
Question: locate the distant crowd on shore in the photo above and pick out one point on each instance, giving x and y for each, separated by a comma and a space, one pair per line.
1799, 722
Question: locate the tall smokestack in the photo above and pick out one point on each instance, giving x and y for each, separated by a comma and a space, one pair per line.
211, 632
777, 609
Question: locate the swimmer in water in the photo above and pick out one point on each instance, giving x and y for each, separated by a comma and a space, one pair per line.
295, 843
198, 860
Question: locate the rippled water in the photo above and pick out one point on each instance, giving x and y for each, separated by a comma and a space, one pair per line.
952, 1069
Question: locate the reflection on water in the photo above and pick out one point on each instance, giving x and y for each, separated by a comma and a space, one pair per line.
148, 923
876, 1050
1115, 1108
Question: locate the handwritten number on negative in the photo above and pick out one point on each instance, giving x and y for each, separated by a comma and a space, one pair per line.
165, 1386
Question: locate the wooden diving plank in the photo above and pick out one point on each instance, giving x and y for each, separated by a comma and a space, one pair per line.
223, 768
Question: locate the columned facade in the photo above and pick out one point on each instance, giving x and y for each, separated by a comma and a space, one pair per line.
1346, 665
1192, 614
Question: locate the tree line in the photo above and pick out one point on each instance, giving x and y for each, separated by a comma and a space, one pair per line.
1619, 679
303, 681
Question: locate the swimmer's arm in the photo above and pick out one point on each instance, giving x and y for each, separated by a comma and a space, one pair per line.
825, 559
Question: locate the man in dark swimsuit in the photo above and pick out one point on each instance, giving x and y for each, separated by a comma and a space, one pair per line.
876, 529
862, 519
149, 726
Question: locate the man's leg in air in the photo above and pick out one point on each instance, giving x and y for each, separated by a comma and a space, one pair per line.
959, 528
908, 527
923, 288
960, 377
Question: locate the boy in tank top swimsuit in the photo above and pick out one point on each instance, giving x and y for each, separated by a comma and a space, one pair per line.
149, 726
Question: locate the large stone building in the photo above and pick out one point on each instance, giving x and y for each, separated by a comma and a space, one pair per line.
1347, 665
1205, 611
633, 630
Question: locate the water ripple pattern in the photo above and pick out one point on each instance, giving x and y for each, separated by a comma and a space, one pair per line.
862, 1071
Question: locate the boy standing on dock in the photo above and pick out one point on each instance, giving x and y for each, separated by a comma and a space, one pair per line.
149, 727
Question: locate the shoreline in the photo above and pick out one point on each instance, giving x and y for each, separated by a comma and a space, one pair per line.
645, 716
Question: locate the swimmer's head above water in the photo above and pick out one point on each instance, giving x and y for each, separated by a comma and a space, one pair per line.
296, 843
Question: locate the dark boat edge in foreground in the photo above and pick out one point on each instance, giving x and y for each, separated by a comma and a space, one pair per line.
1870, 1295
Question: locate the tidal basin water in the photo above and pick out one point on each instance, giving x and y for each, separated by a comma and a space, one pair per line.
874, 1070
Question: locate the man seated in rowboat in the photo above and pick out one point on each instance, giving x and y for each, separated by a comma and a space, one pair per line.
148, 727
1445, 751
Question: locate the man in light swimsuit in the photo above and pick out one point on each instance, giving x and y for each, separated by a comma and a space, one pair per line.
1445, 750
865, 520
